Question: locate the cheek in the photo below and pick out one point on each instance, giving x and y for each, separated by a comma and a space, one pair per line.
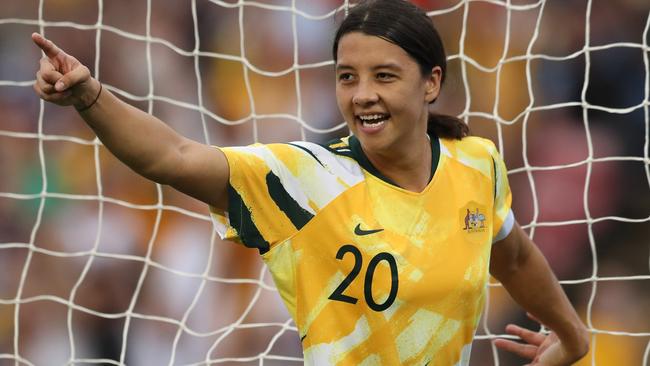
343, 100
411, 101
344, 107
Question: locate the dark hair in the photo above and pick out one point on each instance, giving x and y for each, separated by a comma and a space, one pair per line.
407, 26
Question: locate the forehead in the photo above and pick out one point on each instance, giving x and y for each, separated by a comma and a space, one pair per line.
357, 49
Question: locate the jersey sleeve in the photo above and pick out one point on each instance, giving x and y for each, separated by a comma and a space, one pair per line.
265, 203
503, 216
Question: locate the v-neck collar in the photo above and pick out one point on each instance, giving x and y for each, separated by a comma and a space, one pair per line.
362, 159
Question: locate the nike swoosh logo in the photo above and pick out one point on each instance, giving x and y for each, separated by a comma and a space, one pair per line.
361, 232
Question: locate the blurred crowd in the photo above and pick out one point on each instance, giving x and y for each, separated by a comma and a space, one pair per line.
92, 268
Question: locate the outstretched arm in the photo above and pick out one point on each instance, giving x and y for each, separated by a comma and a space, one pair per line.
522, 269
140, 140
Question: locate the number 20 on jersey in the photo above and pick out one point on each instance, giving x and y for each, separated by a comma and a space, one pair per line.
339, 295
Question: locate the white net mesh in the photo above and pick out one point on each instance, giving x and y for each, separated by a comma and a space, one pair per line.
99, 266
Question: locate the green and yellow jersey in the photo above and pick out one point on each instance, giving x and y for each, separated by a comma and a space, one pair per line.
372, 274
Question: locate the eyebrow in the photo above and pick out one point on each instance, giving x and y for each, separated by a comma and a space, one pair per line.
389, 65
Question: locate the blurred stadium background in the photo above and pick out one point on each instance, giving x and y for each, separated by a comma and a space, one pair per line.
100, 266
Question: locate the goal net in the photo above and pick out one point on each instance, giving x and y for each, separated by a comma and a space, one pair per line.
100, 266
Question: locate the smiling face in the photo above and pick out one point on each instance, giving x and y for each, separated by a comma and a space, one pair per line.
382, 93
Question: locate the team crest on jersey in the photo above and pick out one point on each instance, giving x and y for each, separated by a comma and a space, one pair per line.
474, 218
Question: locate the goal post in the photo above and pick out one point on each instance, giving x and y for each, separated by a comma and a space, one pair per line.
101, 266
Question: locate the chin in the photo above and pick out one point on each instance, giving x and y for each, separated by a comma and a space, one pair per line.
374, 144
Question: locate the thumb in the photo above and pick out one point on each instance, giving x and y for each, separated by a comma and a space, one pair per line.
73, 78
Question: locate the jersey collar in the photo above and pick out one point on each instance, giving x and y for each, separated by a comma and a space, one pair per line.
362, 159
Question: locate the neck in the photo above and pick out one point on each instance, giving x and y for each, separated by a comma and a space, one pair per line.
409, 167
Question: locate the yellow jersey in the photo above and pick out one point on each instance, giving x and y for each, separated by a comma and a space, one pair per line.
372, 274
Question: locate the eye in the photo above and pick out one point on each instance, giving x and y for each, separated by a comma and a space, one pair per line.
384, 76
345, 76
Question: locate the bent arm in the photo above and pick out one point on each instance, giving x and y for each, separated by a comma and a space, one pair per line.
140, 140
154, 150
522, 269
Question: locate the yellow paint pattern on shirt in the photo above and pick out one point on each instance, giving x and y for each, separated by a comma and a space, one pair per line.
442, 268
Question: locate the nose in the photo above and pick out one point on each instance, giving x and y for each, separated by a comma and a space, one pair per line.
364, 95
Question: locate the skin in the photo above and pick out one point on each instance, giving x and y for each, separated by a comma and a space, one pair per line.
141, 141
517, 263
373, 76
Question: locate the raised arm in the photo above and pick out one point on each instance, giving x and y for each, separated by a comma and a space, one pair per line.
140, 140
522, 269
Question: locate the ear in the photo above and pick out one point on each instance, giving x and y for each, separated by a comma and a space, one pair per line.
432, 84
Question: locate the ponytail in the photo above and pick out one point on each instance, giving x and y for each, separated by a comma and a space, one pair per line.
445, 126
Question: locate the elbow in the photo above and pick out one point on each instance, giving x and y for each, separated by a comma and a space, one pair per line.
166, 168
153, 174
160, 171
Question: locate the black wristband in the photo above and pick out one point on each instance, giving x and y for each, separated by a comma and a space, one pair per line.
94, 101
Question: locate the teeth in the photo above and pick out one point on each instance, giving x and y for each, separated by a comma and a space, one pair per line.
372, 117
372, 124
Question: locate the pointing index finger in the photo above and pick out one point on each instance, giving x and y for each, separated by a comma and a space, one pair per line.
50, 49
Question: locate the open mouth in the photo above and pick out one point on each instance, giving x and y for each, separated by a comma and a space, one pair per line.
373, 120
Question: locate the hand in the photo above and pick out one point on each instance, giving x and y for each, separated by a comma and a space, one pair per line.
541, 349
61, 78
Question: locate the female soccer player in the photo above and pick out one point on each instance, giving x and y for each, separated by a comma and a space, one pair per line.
379, 243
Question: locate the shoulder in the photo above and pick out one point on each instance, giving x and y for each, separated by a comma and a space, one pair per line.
303, 159
473, 152
296, 153
470, 145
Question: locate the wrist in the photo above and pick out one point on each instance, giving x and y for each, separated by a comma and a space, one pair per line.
576, 341
89, 97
